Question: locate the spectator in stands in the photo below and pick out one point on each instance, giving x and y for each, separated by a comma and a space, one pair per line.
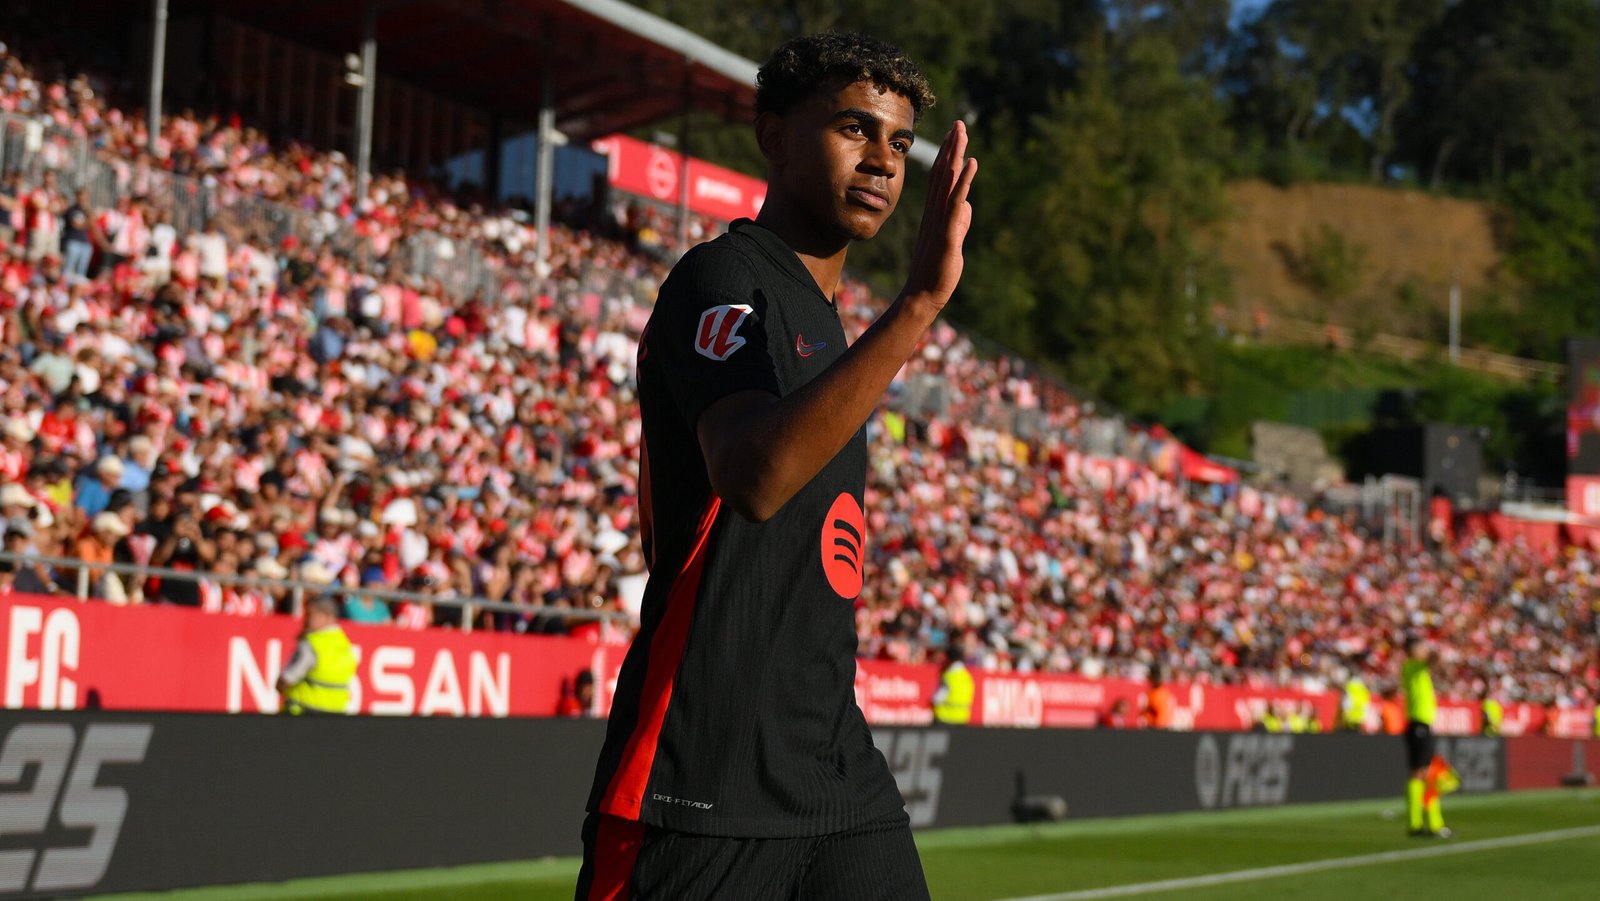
10, 205
273, 599
1115, 716
77, 246
30, 577
210, 248
184, 548
156, 261
17, 505
58, 371
98, 545
42, 209
365, 608
118, 234
577, 697
93, 491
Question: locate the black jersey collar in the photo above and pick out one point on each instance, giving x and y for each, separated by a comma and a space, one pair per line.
780, 253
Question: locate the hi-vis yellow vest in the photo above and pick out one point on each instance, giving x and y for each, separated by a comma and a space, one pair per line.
1493, 715
1357, 700
326, 689
953, 701
1418, 686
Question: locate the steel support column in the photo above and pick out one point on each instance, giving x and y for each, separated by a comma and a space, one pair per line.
683, 151
546, 167
369, 90
158, 69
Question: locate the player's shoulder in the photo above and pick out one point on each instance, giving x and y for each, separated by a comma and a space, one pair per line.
720, 266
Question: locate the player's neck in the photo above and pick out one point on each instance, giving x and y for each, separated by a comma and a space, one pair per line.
822, 254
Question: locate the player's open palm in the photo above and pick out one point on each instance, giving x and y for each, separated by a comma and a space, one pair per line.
936, 263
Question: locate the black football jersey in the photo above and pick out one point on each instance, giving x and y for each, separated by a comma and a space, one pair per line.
735, 709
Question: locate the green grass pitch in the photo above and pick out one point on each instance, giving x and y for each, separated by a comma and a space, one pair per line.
1543, 845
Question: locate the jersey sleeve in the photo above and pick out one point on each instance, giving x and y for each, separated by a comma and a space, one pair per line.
709, 332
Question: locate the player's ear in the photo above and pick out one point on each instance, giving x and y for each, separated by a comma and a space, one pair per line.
769, 137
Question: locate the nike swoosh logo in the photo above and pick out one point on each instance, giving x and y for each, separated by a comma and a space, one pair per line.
806, 350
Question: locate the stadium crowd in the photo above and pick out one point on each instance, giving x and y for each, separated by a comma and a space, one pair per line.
314, 405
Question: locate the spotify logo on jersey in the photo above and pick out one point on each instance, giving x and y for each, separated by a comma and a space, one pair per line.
844, 538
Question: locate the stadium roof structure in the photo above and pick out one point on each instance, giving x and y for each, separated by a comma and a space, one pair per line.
581, 69
612, 66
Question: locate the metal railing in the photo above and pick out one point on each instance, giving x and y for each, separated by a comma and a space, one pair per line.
461, 267
33, 146
300, 589
1301, 331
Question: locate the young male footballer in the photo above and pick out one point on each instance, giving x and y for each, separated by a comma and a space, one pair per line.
736, 763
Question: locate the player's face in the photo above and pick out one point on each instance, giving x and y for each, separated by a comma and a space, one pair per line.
845, 155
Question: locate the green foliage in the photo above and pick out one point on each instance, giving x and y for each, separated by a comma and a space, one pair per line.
1280, 384
1553, 250
1502, 89
1328, 262
1107, 129
1095, 245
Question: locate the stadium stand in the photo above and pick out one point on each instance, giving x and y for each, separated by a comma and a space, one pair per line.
254, 370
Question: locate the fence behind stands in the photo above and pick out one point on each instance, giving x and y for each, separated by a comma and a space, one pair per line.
33, 147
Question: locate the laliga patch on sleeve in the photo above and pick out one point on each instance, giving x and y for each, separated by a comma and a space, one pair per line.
718, 336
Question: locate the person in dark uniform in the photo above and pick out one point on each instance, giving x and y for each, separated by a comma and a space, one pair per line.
736, 762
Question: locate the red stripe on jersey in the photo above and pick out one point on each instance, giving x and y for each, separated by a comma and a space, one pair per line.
616, 848
626, 793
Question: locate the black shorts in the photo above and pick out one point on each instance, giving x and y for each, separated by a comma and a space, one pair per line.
625, 860
1419, 745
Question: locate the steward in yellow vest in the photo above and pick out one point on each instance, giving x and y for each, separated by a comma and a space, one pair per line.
952, 701
1493, 716
317, 677
1353, 706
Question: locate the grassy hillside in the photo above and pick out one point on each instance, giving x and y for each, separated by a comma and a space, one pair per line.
1377, 259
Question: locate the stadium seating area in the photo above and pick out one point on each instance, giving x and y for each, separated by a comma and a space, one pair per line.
248, 370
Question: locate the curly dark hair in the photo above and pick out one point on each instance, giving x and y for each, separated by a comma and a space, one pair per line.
837, 59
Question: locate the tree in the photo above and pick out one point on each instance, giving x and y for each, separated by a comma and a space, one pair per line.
1506, 101
1304, 67
1029, 57
1504, 88
1386, 31
1091, 261
1287, 78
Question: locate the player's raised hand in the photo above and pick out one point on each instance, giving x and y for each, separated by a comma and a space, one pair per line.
936, 262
